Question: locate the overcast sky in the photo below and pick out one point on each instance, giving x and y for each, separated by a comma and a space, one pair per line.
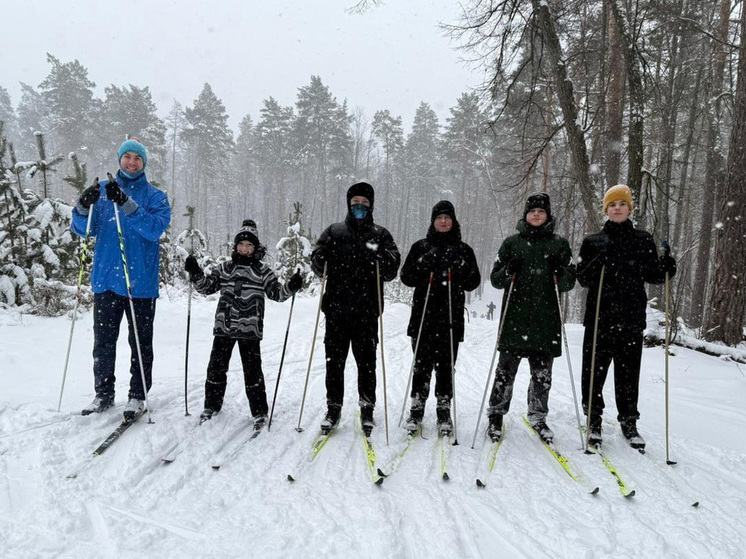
391, 57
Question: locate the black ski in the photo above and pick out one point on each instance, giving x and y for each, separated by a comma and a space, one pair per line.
110, 440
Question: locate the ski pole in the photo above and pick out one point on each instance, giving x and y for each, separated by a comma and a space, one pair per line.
667, 251
453, 372
416, 348
494, 354
569, 362
190, 214
593, 358
282, 360
383, 356
83, 258
313, 344
132, 306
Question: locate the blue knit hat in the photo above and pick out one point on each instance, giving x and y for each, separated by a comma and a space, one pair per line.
135, 147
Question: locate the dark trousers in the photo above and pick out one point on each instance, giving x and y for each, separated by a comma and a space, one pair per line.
623, 346
108, 309
362, 336
217, 377
434, 352
538, 388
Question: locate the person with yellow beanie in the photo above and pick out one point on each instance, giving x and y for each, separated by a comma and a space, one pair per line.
628, 259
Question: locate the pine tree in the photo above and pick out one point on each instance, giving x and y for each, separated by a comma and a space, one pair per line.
42, 166
294, 250
31, 111
68, 97
8, 115
130, 111
14, 282
324, 144
210, 144
275, 162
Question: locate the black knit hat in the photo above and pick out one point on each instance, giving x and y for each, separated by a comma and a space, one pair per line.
361, 189
248, 232
443, 207
540, 200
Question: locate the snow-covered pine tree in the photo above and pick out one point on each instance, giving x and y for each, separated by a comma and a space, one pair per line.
190, 241
14, 284
294, 250
43, 165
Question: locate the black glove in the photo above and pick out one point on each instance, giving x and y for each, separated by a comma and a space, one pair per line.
192, 266
90, 195
430, 258
555, 266
514, 266
321, 255
295, 282
115, 194
668, 264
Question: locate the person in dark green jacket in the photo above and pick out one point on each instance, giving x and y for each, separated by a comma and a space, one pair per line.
528, 265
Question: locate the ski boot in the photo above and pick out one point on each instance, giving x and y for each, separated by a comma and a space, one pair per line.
366, 420
416, 414
99, 404
445, 424
594, 435
206, 415
331, 420
544, 432
635, 440
260, 421
495, 428
134, 409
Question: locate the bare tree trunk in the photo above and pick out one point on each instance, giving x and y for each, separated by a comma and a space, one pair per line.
614, 106
575, 134
636, 100
712, 172
726, 309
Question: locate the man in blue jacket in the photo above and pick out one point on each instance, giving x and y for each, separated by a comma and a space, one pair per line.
144, 214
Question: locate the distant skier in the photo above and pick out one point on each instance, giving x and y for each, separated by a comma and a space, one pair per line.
531, 260
491, 311
351, 251
629, 259
144, 215
239, 318
440, 251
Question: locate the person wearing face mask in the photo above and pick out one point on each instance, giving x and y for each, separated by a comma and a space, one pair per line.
243, 281
629, 259
441, 252
528, 265
353, 253
144, 215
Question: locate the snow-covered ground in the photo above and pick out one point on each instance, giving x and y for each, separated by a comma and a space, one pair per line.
127, 503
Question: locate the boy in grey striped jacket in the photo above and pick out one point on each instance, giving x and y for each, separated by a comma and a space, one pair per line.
243, 282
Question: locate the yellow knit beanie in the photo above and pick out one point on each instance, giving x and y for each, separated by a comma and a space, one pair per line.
620, 192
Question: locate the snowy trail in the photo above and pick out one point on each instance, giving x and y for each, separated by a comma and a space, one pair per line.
128, 503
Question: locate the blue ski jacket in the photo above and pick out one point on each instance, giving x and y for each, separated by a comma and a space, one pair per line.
144, 218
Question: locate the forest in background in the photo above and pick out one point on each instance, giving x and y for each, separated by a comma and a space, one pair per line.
578, 96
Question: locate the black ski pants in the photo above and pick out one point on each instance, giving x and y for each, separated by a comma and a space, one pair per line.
538, 388
623, 346
362, 335
108, 310
217, 374
434, 352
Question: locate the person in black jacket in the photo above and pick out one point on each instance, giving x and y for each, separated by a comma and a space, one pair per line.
628, 259
440, 252
355, 254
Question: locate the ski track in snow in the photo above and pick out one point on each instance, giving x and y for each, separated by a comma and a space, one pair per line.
128, 503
